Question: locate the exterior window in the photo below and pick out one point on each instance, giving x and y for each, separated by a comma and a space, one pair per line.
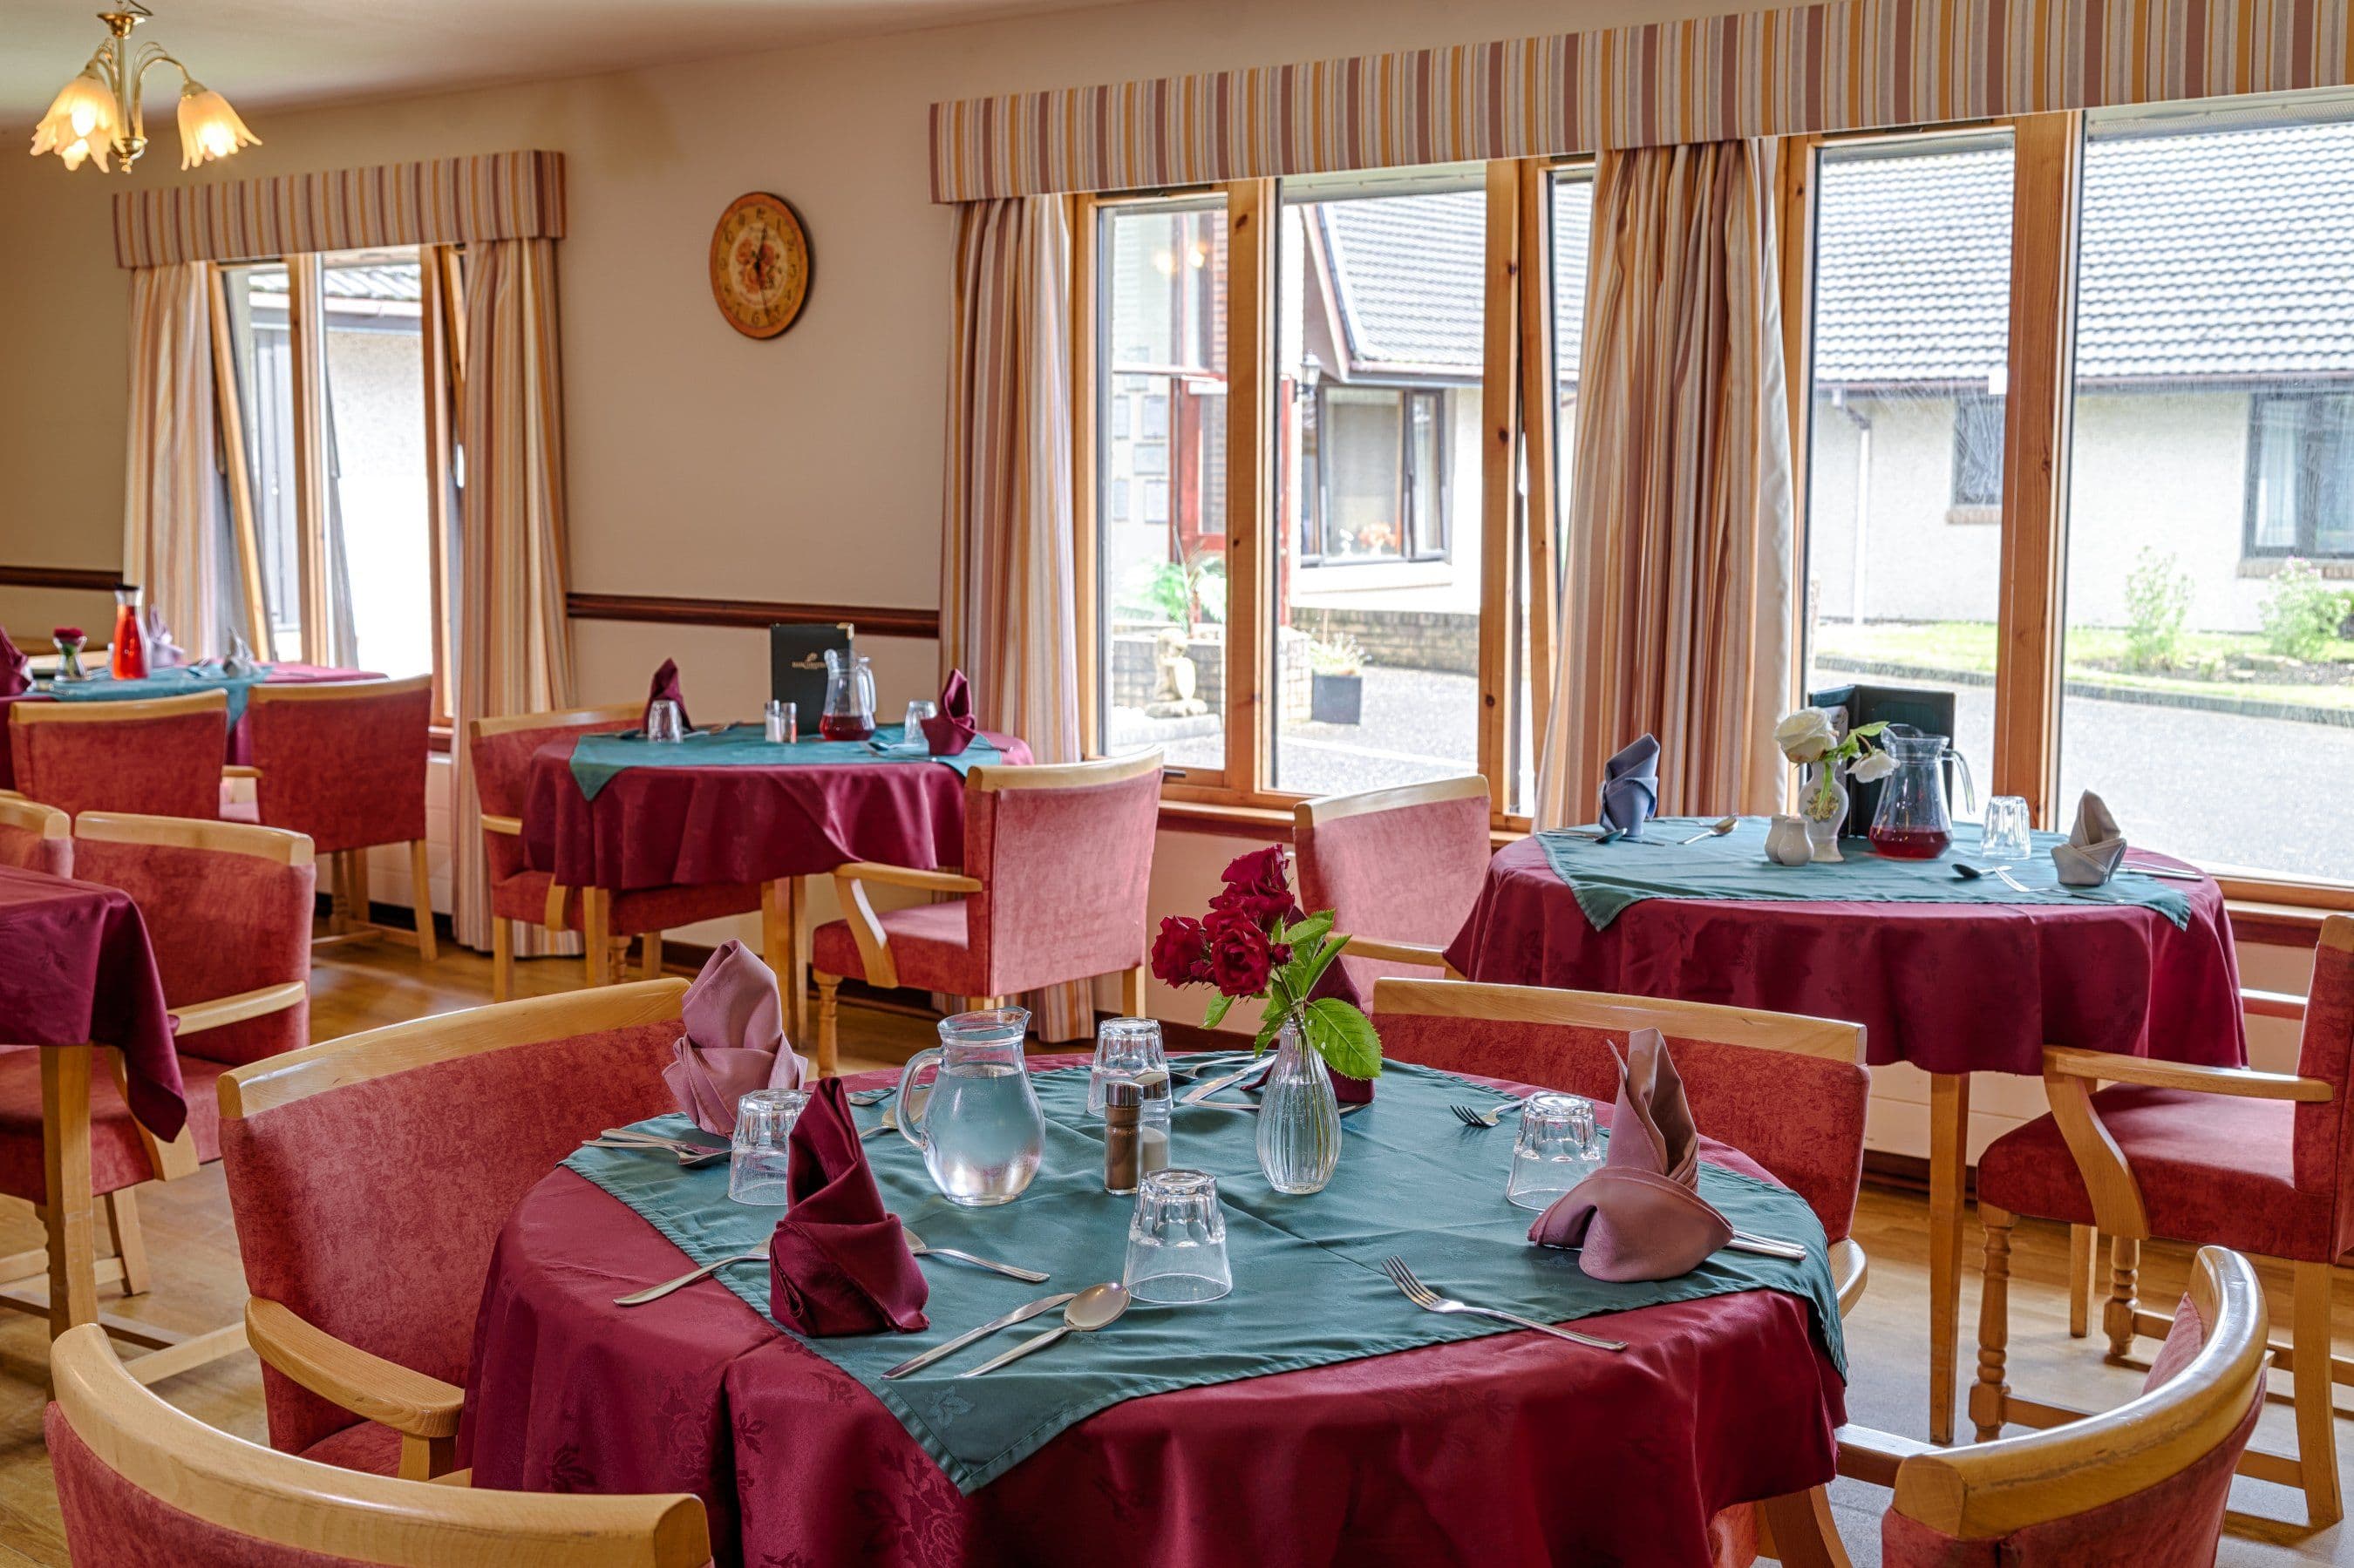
1978, 451
2300, 492
1383, 484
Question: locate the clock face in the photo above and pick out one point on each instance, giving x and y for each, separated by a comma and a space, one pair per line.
759, 265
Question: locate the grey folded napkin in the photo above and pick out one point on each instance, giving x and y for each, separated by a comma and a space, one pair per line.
2096, 845
1631, 786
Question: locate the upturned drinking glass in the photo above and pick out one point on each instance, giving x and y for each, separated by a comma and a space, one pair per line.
663, 721
783, 721
1125, 1048
760, 1151
1555, 1150
1177, 1240
2004, 837
911, 731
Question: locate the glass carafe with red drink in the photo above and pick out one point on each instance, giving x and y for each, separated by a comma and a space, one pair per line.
849, 712
128, 660
1913, 821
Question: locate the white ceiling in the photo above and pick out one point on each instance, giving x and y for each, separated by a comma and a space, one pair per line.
265, 53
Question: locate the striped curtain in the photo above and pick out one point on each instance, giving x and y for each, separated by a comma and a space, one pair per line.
174, 533
1009, 610
513, 648
1678, 615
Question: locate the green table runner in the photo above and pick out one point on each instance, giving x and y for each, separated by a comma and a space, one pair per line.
1607, 878
1307, 1290
102, 687
597, 758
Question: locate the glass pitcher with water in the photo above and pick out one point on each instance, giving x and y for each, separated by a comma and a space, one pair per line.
849, 713
1913, 821
981, 1129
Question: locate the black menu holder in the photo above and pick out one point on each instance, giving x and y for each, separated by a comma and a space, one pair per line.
796, 667
1929, 712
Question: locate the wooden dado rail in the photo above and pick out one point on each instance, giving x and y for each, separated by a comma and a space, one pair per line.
76, 579
872, 620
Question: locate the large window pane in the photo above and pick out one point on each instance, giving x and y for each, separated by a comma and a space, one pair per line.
1912, 334
377, 473
2211, 514
262, 347
1571, 200
1379, 343
1161, 467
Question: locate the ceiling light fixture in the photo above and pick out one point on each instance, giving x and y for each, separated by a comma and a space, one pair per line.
98, 114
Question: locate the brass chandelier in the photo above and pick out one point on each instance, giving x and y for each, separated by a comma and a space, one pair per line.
97, 116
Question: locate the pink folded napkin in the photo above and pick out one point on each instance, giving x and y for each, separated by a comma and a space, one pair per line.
839, 1263
950, 730
1641, 1215
15, 670
665, 685
735, 1040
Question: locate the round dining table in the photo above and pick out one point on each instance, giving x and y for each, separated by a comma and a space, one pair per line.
1954, 988
1510, 1448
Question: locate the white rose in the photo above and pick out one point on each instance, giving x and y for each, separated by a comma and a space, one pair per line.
1806, 736
1871, 765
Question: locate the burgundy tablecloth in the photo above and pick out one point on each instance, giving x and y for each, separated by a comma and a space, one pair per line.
1951, 988
240, 744
1515, 1448
75, 966
654, 827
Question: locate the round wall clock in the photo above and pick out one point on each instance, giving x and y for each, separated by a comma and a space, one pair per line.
759, 265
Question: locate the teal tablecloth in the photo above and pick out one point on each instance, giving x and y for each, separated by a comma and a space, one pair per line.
102, 687
1607, 878
1413, 1181
597, 758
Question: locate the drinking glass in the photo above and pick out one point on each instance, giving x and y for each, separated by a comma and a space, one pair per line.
911, 732
758, 1155
663, 721
784, 723
2004, 837
1126, 1048
1553, 1150
1177, 1240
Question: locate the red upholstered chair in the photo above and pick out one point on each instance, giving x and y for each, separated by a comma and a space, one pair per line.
227, 910
160, 758
141, 1482
369, 1177
501, 751
345, 761
33, 837
1400, 869
1057, 860
1787, 1091
2260, 1162
2143, 1484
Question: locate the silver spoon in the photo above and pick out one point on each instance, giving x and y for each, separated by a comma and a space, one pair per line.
1097, 1307
1715, 830
656, 1292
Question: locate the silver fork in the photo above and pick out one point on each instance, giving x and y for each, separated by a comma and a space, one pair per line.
890, 1123
915, 1244
869, 1096
1472, 1116
1430, 1301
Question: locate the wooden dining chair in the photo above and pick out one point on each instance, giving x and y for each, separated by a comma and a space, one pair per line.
2146, 1483
2260, 1162
1399, 868
369, 1177
159, 757
1786, 1090
227, 911
33, 837
344, 762
1057, 860
500, 750
141, 1482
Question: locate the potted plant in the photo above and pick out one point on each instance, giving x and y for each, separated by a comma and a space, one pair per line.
1336, 663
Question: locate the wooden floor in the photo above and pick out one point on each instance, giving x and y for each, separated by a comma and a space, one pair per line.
198, 1285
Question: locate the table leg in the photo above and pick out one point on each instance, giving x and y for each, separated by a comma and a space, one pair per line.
65, 1169
784, 926
1800, 1531
797, 971
1949, 1121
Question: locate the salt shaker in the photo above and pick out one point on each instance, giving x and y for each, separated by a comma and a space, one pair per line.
1153, 1122
1122, 1104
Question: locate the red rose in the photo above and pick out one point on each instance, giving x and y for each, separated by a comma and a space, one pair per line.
1180, 953
66, 634
1240, 955
1258, 888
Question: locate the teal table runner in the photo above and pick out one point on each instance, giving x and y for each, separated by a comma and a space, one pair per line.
1607, 878
597, 758
1308, 1292
102, 687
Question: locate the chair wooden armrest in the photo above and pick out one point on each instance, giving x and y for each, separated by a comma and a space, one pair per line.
198, 1017
2067, 1061
1866, 1454
1387, 953
423, 1410
511, 826
906, 876
239, 770
1851, 1269
865, 929
2271, 1004
13, 795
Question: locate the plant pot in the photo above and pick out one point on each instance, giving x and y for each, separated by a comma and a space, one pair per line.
1298, 1119
1337, 699
1822, 801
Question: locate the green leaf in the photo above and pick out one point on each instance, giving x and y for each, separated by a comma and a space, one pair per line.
1343, 1037
1315, 964
1269, 1028
1863, 730
1310, 930
1220, 1005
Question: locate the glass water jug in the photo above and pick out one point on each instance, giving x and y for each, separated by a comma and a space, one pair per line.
981, 1129
1913, 821
849, 713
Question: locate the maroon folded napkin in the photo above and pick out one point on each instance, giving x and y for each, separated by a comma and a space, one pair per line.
15, 670
838, 1263
1641, 1215
952, 729
665, 685
735, 1040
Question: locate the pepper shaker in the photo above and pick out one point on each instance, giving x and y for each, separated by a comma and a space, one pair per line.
1122, 1105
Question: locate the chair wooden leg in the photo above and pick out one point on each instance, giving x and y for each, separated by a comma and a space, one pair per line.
502, 959
65, 1171
130, 1241
2083, 1246
1988, 1394
651, 954
2118, 1316
1800, 1531
2317, 1422
1131, 992
827, 1021
597, 934
363, 906
420, 898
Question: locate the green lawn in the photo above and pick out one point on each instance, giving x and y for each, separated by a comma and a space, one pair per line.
2217, 661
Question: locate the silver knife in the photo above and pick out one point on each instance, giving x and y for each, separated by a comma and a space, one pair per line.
1196, 1096
1022, 1314
1766, 1246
